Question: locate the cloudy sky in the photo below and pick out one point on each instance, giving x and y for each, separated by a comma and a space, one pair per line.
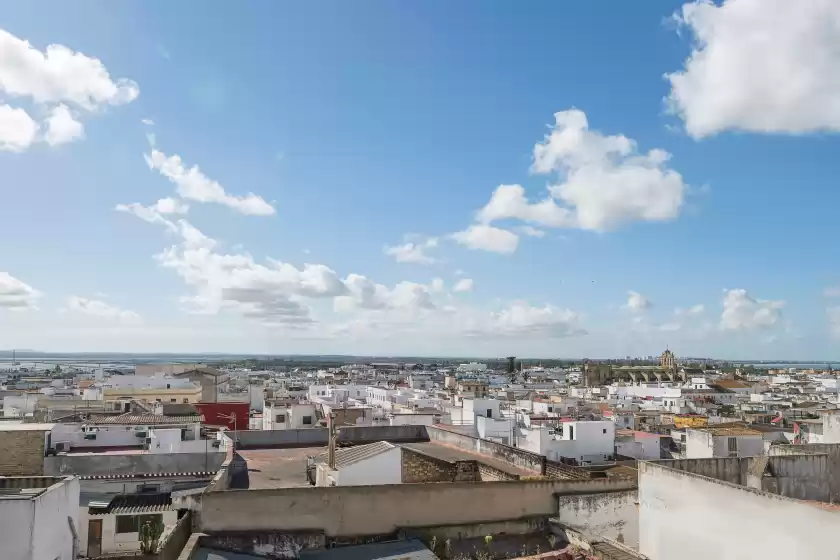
592, 178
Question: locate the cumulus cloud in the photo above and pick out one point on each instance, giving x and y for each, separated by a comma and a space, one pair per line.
488, 238
832, 292
147, 122
155, 213
100, 309
53, 80
413, 252
18, 130
694, 310
365, 294
522, 319
604, 182
766, 66
637, 302
62, 127
16, 294
743, 312
530, 231
192, 184
463, 285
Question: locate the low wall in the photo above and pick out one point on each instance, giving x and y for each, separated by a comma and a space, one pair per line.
613, 515
833, 464
348, 511
100, 464
688, 516
800, 476
514, 456
311, 437
173, 543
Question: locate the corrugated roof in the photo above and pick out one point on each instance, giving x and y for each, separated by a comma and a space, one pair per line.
133, 504
145, 419
347, 456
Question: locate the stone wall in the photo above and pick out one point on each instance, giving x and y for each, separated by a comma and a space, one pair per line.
613, 515
486, 473
22, 452
417, 467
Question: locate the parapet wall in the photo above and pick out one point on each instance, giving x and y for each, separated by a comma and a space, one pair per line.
312, 437
99, 464
377, 510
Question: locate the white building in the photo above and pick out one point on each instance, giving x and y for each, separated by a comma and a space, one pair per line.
362, 465
723, 442
472, 367
39, 518
289, 416
590, 442
113, 526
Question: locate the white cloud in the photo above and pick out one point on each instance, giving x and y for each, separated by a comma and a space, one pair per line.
154, 214
694, 310
637, 302
15, 294
367, 295
530, 231
463, 285
411, 252
17, 129
436, 285
62, 127
170, 205
147, 122
52, 79
742, 312
606, 181
833, 291
100, 309
488, 238
521, 319
508, 201
59, 75
194, 185
760, 66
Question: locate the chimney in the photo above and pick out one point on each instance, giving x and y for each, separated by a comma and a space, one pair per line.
332, 435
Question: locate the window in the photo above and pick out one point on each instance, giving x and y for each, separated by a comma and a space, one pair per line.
571, 432
132, 523
280, 418
605, 430
173, 400
186, 401
732, 446
307, 420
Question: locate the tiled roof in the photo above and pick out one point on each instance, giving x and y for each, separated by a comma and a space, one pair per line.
347, 456
133, 504
145, 419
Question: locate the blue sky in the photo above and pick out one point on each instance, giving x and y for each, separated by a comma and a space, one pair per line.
363, 126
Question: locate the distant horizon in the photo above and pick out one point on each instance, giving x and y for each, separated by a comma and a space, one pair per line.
29, 354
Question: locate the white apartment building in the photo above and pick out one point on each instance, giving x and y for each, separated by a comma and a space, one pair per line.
591, 442
289, 416
701, 443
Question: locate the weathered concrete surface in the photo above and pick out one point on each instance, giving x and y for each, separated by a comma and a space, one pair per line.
520, 458
132, 463
833, 465
613, 515
349, 511
684, 516
314, 437
800, 476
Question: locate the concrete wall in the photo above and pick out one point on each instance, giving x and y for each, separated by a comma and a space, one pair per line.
310, 437
39, 528
132, 463
511, 455
22, 452
833, 464
349, 511
804, 477
683, 516
613, 515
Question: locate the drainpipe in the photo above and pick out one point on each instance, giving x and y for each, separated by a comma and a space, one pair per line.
331, 448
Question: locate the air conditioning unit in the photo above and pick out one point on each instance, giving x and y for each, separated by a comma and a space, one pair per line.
62, 446
216, 443
141, 434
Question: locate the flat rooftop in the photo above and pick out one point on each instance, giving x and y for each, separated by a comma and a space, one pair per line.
453, 454
278, 468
